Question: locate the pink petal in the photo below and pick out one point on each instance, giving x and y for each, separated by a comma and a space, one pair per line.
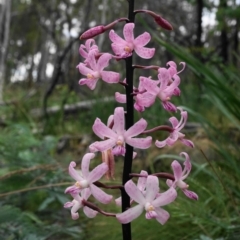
115, 38
68, 204
164, 77
110, 77
121, 98
141, 183
152, 188
103, 61
85, 193
169, 106
136, 129
92, 61
160, 144
176, 92
89, 212
100, 195
91, 83
187, 162
119, 150
145, 99
172, 64
110, 120
145, 53
119, 120
73, 173
162, 215
82, 52
103, 145
92, 148
187, 142
74, 210
190, 194
142, 143
134, 192
138, 107
130, 214
169, 182
85, 164
165, 198
118, 201
170, 89
142, 39
118, 49
173, 121
97, 173
101, 130
85, 70
150, 85
177, 170
128, 32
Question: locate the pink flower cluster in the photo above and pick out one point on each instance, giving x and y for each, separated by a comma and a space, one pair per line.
145, 195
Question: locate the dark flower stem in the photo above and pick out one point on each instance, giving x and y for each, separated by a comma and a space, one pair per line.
127, 168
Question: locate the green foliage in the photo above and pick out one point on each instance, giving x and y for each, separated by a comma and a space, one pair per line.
31, 199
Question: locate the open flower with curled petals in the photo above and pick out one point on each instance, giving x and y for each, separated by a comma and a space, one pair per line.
172, 70
117, 137
165, 90
141, 185
124, 48
95, 70
180, 175
147, 201
87, 179
176, 134
76, 204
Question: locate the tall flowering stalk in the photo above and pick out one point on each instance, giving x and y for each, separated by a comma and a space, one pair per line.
121, 135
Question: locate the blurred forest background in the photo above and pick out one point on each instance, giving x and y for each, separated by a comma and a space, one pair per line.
46, 117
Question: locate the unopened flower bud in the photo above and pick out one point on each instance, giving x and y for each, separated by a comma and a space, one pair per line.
163, 23
92, 32
158, 19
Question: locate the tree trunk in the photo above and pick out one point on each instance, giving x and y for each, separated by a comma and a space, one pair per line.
224, 37
5, 17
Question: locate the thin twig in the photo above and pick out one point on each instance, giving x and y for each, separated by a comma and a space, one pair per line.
34, 188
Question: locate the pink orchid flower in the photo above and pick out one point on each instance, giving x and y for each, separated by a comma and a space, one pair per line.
87, 179
142, 99
96, 70
181, 175
176, 134
141, 185
166, 89
89, 46
172, 70
149, 202
124, 48
117, 137
76, 204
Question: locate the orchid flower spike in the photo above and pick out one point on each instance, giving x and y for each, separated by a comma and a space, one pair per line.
176, 134
181, 175
124, 48
117, 137
87, 179
149, 201
76, 204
